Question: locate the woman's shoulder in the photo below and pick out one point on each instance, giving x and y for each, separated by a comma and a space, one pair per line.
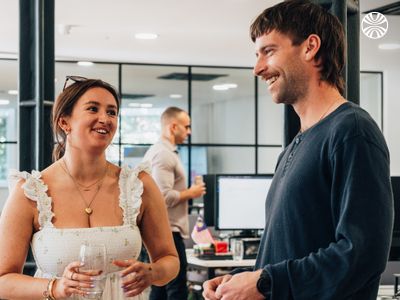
137, 171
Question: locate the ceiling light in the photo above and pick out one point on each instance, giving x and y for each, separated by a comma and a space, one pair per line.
175, 96
134, 104
146, 36
392, 46
13, 92
4, 101
224, 86
85, 63
140, 105
146, 105
220, 87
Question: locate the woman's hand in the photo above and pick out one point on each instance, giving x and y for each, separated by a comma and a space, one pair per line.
135, 277
72, 282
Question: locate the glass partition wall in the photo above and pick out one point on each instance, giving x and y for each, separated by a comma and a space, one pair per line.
222, 103
236, 127
8, 119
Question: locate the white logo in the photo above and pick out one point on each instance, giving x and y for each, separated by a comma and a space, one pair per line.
374, 25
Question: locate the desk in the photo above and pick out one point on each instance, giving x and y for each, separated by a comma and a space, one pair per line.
211, 265
385, 291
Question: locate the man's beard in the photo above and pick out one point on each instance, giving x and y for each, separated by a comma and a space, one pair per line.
294, 86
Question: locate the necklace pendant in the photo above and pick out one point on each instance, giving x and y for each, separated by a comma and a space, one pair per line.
88, 210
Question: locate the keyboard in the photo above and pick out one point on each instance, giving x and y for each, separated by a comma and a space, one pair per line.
216, 257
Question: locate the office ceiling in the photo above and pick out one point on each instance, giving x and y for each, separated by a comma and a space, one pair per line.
190, 31
206, 32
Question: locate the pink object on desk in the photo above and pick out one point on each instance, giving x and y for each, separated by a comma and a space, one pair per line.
201, 234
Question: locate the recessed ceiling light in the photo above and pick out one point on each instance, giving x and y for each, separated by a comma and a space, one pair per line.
133, 104
391, 46
85, 63
13, 92
175, 96
140, 105
4, 101
220, 87
146, 105
224, 86
146, 36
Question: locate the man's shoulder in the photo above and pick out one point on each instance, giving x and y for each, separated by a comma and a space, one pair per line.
352, 122
159, 151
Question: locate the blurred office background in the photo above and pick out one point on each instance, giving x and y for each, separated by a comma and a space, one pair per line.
200, 61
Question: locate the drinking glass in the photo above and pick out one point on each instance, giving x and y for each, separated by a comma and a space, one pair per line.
198, 179
237, 251
93, 258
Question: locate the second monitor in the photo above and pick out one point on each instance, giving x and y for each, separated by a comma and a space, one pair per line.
240, 201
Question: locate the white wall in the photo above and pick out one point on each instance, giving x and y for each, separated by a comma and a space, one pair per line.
387, 61
3, 196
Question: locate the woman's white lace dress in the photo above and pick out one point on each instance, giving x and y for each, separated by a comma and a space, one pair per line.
54, 248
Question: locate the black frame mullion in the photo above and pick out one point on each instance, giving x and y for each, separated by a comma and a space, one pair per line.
120, 115
190, 113
256, 123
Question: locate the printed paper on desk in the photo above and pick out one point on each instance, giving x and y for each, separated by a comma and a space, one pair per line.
200, 233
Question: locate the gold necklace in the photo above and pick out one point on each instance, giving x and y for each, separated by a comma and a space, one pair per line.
322, 116
88, 209
87, 188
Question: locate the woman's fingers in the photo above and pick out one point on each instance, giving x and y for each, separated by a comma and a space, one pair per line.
74, 279
134, 292
136, 276
131, 278
124, 263
79, 284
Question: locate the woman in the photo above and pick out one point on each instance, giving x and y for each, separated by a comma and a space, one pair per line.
82, 198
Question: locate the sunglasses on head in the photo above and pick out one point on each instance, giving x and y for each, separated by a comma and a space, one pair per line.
74, 79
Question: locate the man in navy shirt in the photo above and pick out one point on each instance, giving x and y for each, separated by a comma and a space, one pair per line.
329, 210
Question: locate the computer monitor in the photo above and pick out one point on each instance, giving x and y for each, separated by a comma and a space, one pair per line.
240, 201
395, 247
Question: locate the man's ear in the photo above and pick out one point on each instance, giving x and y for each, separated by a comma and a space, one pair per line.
311, 46
172, 126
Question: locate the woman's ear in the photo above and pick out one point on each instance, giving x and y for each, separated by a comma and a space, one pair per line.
312, 45
63, 124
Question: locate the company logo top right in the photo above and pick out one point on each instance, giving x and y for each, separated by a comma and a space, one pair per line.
374, 25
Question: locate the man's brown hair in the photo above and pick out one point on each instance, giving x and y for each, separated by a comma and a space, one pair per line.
298, 19
171, 112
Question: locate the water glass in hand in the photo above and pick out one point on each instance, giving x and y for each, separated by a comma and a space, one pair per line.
93, 258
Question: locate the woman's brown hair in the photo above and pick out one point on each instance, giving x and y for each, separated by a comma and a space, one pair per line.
65, 103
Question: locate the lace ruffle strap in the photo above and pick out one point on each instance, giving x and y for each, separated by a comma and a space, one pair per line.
35, 190
131, 188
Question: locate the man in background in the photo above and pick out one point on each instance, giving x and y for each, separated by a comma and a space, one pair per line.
329, 210
168, 172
